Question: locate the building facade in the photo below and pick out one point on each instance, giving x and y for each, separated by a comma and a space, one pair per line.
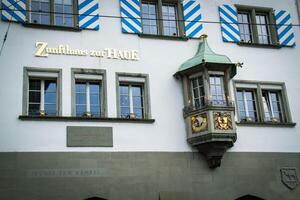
154, 99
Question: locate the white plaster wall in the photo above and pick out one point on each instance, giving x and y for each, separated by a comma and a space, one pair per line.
158, 58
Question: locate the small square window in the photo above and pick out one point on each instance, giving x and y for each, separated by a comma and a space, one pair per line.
88, 93
42, 92
133, 96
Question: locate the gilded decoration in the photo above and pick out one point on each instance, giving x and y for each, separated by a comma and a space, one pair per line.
223, 120
199, 123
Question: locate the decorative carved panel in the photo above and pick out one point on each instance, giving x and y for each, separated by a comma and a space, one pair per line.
199, 123
222, 120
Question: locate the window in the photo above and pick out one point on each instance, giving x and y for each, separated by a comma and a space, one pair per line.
133, 96
246, 102
262, 102
52, 12
167, 11
41, 92
88, 93
198, 92
88, 98
217, 90
256, 25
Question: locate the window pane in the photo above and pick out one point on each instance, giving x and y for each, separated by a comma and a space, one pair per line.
95, 110
34, 97
50, 97
50, 109
124, 112
80, 110
58, 20
136, 91
149, 18
95, 99
50, 86
137, 102
124, 100
138, 113
34, 109
123, 89
94, 88
34, 84
169, 20
80, 87
80, 98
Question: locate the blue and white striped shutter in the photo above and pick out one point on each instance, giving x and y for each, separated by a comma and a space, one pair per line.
229, 23
284, 27
14, 10
131, 16
192, 18
88, 17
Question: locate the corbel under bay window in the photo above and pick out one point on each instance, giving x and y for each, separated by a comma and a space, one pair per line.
133, 96
41, 94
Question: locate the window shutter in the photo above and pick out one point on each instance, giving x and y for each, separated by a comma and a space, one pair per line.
131, 16
284, 27
229, 23
14, 10
192, 18
88, 17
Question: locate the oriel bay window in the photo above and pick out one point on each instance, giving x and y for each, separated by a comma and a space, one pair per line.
160, 17
41, 95
88, 93
133, 96
262, 102
53, 12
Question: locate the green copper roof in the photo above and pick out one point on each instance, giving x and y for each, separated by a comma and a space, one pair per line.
204, 55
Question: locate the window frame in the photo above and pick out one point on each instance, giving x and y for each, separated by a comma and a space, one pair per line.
253, 11
45, 74
159, 14
141, 80
89, 75
258, 87
52, 15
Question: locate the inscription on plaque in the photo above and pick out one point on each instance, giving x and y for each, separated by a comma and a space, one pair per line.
82, 136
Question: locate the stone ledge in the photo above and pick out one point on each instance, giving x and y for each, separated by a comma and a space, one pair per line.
267, 124
92, 119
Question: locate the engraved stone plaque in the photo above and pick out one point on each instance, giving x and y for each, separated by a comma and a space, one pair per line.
83, 136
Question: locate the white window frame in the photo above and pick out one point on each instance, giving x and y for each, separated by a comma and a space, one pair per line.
41, 74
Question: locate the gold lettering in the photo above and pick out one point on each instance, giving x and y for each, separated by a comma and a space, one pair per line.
135, 55
41, 47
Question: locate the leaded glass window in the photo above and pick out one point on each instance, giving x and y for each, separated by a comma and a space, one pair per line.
63, 13
40, 11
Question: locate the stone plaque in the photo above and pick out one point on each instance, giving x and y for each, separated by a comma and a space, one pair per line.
83, 136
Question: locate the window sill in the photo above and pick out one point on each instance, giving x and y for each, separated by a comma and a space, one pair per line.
267, 124
85, 119
163, 37
51, 27
274, 46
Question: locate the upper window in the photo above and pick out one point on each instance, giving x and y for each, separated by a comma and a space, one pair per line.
160, 17
52, 12
88, 93
42, 95
255, 25
262, 102
133, 96
217, 89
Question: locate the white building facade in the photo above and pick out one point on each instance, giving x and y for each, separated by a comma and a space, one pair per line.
91, 106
